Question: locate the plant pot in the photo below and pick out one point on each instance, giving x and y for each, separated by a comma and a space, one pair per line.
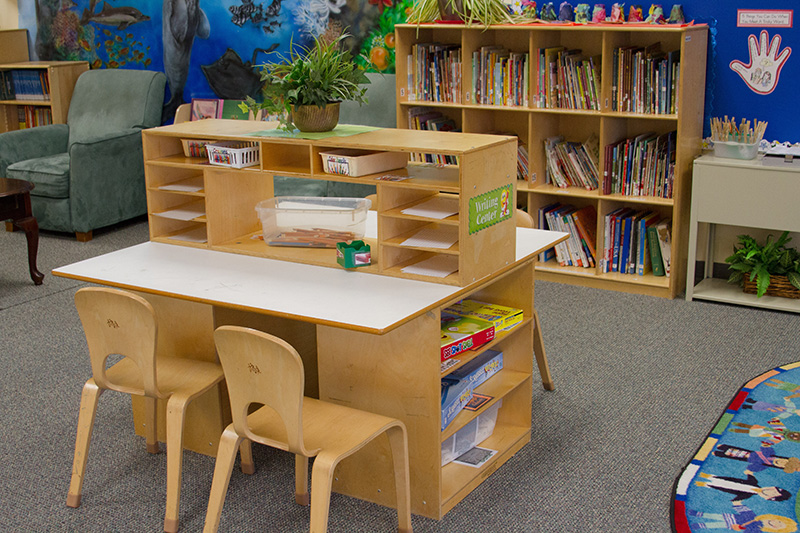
778, 286
312, 118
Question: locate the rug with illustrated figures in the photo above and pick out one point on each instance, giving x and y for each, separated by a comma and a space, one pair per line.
746, 475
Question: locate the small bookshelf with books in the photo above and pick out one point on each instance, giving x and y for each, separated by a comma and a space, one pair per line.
613, 120
36, 93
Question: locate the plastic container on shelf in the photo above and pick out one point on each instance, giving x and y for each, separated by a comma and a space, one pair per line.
475, 432
235, 154
734, 150
311, 221
354, 163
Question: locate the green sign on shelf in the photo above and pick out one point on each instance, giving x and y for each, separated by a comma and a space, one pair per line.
489, 208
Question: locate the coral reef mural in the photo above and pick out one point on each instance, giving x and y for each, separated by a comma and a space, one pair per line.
210, 48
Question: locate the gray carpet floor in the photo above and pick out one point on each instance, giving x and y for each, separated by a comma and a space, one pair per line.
639, 383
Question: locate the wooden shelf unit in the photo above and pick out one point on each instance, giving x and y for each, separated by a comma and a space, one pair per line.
412, 351
61, 76
226, 198
532, 125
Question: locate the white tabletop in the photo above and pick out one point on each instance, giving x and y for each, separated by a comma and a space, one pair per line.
317, 294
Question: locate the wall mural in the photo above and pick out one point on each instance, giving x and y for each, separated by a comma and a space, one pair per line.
210, 48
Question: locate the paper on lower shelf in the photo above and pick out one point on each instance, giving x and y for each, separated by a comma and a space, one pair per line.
192, 185
439, 207
195, 235
443, 237
438, 266
186, 213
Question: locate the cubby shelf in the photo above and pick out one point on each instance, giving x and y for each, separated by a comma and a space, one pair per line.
532, 124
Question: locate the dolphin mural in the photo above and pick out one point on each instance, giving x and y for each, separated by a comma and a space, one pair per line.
182, 21
121, 17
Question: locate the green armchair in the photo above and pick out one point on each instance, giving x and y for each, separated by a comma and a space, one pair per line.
89, 173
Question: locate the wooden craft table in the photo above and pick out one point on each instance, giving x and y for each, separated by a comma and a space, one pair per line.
368, 341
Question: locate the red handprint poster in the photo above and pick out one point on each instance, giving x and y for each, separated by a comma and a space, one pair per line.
761, 74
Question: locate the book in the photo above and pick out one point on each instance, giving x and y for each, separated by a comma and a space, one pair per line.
643, 261
655, 251
205, 108
664, 230
586, 222
543, 223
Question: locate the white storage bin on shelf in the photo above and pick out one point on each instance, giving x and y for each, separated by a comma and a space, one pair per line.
310, 221
235, 154
466, 438
356, 163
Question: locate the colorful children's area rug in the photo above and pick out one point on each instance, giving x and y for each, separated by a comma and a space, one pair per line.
746, 475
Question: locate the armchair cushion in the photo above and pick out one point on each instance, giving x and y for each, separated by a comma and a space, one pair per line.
49, 174
30, 143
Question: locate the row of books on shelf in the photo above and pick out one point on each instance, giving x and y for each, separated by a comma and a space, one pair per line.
30, 116
500, 77
634, 242
425, 118
581, 224
567, 79
435, 73
641, 166
24, 84
572, 164
645, 80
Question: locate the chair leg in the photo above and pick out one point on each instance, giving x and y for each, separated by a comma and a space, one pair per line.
151, 419
176, 412
89, 398
226, 456
301, 496
398, 441
321, 479
541, 357
83, 236
246, 454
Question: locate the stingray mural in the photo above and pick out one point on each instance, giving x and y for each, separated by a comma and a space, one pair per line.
210, 48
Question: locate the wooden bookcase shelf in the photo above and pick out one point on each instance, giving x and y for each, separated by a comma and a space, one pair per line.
60, 76
226, 197
533, 125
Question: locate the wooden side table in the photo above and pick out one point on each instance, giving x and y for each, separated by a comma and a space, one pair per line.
15, 204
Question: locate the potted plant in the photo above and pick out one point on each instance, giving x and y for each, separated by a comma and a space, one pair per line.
304, 90
770, 269
485, 12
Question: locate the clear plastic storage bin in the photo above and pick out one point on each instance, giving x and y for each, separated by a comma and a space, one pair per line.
734, 150
466, 438
310, 221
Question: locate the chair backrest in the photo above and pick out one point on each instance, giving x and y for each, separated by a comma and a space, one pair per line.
260, 368
522, 219
121, 323
111, 100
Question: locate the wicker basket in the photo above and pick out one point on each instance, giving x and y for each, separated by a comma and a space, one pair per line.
778, 286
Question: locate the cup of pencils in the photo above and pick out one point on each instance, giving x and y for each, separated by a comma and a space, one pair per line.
736, 141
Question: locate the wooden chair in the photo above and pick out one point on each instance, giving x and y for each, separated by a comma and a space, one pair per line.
261, 369
119, 322
373, 198
522, 219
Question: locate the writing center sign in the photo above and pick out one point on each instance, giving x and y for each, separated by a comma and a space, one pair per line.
762, 18
489, 208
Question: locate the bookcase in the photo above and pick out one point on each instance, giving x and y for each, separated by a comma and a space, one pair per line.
532, 123
42, 95
223, 199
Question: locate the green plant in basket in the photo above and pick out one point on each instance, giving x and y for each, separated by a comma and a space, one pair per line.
760, 262
316, 76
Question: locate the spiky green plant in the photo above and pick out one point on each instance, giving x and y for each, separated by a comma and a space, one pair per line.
759, 262
322, 74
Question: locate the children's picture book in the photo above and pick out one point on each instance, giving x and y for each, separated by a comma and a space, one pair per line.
477, 401
463, 333
205, 108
